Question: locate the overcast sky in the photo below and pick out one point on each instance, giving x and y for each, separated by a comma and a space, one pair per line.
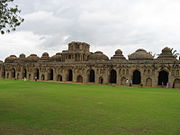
107, 25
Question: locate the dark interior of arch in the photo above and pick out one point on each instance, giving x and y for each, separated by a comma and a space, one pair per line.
92, 76
24, 73
37, 73
70, 75
136, 77
13, 73
163, 78
101, 80
59, 77
51, 74
79, 78
113, 76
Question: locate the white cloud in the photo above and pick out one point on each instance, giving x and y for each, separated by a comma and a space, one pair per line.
107, 25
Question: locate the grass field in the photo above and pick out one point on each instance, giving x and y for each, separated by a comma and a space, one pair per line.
44, 108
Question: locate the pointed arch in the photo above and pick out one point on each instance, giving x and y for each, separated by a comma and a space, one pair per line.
80, 79
149, 82
163, 77
91, 76
59, 78
136, 77
100, 80
51, 74
13, 73
70, 75
176, 83
113, 76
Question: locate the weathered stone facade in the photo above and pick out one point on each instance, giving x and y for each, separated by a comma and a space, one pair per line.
78, 64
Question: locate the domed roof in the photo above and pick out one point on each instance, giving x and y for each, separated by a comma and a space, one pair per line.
44, 57
57, 57
118, 55
118, 52
22, 55
140, 54
11, 59
32, 58
166, 54
98, 56
45, 54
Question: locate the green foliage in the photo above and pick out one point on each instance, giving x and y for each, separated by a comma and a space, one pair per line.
44, 108
9, 16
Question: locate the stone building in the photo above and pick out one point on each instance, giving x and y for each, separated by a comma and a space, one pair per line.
78, 64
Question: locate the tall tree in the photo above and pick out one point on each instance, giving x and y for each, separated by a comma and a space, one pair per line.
9, 16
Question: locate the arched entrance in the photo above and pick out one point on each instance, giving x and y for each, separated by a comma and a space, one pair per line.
13, 73
59, 78
113, 76
136, 77
176, 83
80, 79
100, 80
91, 76
149, 82
24, 74
163, 78
42, 77
70, 75
51, 74
36, 74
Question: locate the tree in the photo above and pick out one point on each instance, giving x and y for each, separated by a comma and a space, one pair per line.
9, 16
174, 53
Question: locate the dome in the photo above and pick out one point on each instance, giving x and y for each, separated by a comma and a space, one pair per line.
57, 57
98, 56
118, 52
44, 57
22, 56
118, 55
32, 58
11, 59
166, 54
141, 54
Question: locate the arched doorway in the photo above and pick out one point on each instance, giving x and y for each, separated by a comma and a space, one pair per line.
80, 79
176, 83
36, 74
136, 77
51, 74
91, 76
100, 80
149, 82
59, 78
113, 76
24, 74
163, 78
42, 77
70, 75
13, 73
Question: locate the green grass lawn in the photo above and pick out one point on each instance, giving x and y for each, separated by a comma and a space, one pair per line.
44, 108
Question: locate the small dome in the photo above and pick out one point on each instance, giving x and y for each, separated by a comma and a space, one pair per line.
166, 54
32, 58
45, 55
22, 56
118, 55
57, 57
11, 59
141, 54
118, 52
98, 56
